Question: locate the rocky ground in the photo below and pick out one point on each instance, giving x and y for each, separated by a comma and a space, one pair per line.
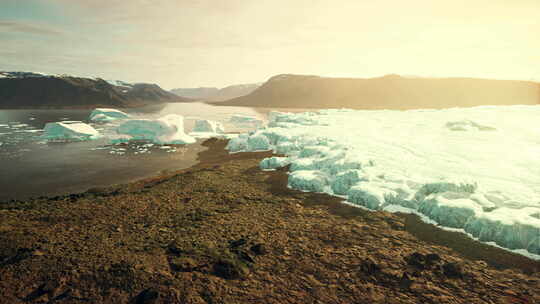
226, 232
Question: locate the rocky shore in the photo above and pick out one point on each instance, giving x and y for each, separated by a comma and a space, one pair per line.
224, 231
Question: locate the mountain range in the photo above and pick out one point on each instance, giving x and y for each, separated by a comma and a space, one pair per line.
387, 92
216, 94
35, 90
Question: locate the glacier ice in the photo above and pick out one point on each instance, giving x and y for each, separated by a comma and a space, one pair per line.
449, 212
463, 168
203, 125
69, 130
343, 181
245, 119
308, 180
508, 227
467, 125
271, 163
106, 114
168, 129
258, 143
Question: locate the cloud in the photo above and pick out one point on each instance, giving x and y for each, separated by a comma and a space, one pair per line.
29, 28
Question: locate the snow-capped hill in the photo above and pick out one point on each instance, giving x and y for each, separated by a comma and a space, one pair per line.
36, 90
120, 83
7, 74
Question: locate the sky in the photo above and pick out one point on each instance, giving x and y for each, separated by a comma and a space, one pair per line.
189, 43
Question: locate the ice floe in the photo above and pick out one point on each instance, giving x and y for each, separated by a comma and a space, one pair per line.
105, 115
73, 131
245, 119
272, 163
168, 129
437, 163
203, 125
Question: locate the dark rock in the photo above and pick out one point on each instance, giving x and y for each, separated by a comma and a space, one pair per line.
452, 270
147, 296
416, 259
369, 267
237, 243
230, 269
175, 248
259, 249
20, 255
405, 281
432, 258
243, 255
183, 264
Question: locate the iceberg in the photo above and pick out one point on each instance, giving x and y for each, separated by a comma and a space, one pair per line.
168, 129
508, 227
448, 212
258, 143
72, 130
245, 119
308, 180
105, 115
272, 163
462, 168
203, 125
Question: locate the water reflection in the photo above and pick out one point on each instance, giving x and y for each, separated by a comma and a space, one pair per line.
31, 167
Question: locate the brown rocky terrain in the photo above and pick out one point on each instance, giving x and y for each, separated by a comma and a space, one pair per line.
76, 92
224, 231
391, 92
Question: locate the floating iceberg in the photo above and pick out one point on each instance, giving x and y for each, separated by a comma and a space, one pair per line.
202, 125
207, 129
486, 183
104, 115
168, 129
71, 130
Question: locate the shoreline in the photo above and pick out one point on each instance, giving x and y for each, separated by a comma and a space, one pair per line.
116, 177
223, 229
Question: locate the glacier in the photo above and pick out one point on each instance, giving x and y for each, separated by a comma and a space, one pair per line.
69, 131
106, 115
474, 169
168, 129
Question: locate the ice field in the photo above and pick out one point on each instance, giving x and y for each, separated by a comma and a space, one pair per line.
476, 169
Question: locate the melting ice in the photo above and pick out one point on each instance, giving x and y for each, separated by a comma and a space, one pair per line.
476, 169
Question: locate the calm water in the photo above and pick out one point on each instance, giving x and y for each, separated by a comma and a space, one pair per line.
31, 167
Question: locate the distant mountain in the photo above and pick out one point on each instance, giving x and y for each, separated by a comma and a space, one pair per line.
215, 94
196, 93
34, 90
388, 92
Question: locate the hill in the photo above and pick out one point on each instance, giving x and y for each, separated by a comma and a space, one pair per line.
388, 92
32, 90
215, 94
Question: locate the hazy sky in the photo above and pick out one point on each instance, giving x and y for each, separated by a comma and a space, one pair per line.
178, 43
